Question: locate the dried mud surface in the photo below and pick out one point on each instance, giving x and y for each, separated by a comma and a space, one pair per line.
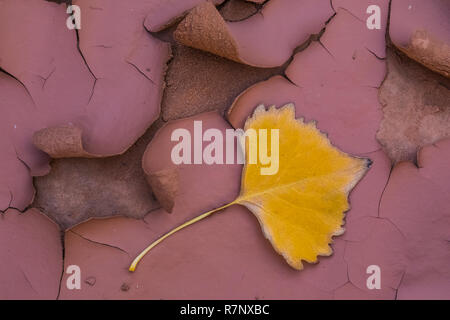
387, 104
79, 189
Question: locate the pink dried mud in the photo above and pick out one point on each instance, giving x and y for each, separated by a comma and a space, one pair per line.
77, 189
333, 81
228, 250
30, 255
255, 41
227, 257
58, 84
421, 29
157, 160
416, 200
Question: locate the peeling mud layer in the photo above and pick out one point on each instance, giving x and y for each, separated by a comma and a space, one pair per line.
416, 108
78, 189
198, 82
86, 123
421, 30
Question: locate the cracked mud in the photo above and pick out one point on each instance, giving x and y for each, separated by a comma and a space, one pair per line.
102, 101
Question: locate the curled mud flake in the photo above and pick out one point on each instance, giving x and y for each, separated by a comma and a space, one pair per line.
205, 29
416, 108
170, 182
194, 76
421, 29
333, 81
165, 186
327, 85
165, 13
255, 40
78, 189
61, 142
432, 53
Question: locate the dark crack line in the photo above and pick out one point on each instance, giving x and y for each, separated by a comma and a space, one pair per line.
63, 245
388, 24
28, 281
257, 6
92, 91
399, 284
45, 79
11, 197
23, 85
347, 272
139, 70
339, 287
23, 161
261, 5
384, 189
322, 32
332, 6
82, 55
345, 260
375, 55
99, 243
149, 212
325, 48
220, 6
284, 75
352, 14
394, 225
34, 188
86, 64
306, 44
102, 46
14, 208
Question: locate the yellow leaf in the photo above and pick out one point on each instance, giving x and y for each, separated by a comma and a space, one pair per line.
301, 205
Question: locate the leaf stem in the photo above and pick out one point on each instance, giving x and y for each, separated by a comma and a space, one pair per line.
184, 225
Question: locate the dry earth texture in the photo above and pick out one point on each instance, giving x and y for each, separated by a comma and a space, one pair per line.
86, 119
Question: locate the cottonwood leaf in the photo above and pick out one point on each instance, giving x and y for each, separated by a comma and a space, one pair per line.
300, 206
